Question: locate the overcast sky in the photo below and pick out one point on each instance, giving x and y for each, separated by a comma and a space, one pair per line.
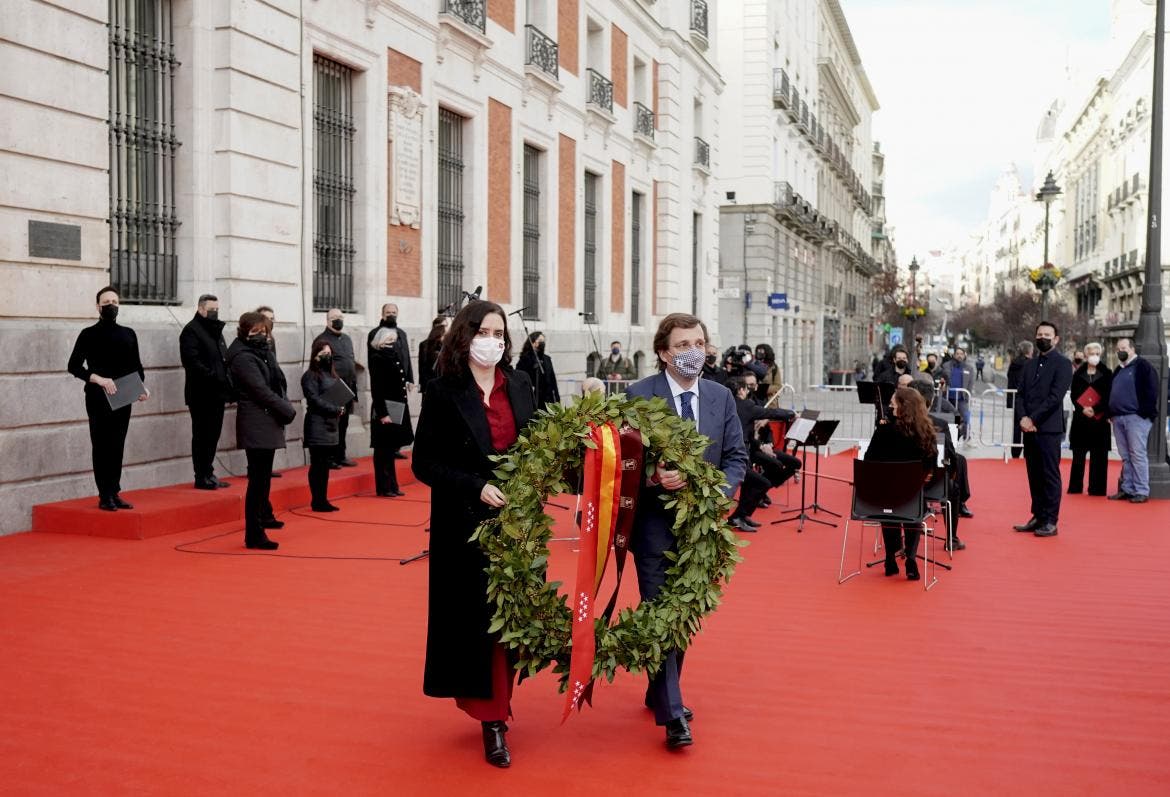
962, 86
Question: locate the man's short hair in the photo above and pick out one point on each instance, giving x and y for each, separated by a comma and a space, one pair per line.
669, 324
615, 342
207, 297
1055, 331
736, 383
925, 389
265, 309
108, 289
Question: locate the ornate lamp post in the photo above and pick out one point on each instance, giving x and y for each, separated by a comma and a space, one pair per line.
1046, 281
911, 312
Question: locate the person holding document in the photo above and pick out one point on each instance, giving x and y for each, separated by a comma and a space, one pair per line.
262, 412
320, 386
103, 354
1088, 434
390, 427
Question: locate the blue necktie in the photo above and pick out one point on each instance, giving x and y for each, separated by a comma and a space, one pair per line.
688, 413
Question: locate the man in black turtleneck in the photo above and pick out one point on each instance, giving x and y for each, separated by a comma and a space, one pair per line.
401, 348
104, 352
203, 353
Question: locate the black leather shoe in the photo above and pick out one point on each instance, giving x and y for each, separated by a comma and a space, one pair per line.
1120, 495
955, 545
272, 523
765, 502
495, 747
743, 525
334, 466
965, 512
688, 715
325, 508
678, 734
118, 502
891, 567
262, 545
753, 523
1031, 525
275, 475
205, 484
347, 463
107, 504
222, 484
912, 570
1138, 499
1047, 530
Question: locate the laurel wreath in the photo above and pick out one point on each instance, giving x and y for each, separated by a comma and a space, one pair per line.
532, 618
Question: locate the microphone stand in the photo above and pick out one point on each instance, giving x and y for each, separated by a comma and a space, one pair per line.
592, 335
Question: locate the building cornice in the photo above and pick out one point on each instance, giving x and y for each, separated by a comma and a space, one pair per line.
836, 86
1140, 47
838, 15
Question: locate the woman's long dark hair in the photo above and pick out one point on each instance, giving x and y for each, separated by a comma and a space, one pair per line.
438, 329
769, 353
530, 344
913, 420
457, 343
314, 363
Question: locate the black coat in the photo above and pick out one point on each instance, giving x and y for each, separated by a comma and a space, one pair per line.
204, 356
451, 453
262, 410
1090, 433
1043, 383
749, 411
388, 383
545, 383
321, 426
1015, 368
344, 365
888, 444
428, 358
402, 346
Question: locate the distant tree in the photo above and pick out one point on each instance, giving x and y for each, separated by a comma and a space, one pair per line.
1013, 317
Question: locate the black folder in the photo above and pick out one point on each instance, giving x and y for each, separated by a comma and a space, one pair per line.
129, 388
873, 392
338, 393
396, 410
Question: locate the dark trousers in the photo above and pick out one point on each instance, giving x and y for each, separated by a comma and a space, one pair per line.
777, 468
256, 506
342, 428
319, 459
385, 474
960, 485
1042, 457
663, 694
755, 487
107, 437
892, 542
1098, 470
206, 425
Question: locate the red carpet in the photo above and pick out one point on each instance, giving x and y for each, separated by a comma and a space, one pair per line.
156, 666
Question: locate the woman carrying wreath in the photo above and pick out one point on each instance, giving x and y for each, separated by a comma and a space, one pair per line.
474, 408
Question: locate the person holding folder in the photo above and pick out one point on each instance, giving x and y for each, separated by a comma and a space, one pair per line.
106, 353
321, 388
390, 427
1088, 434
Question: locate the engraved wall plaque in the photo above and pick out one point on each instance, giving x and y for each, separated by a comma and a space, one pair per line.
54, 241
406, 135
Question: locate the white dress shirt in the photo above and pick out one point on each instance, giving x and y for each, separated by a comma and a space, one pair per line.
676, 391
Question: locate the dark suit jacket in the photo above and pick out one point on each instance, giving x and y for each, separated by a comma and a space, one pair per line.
1043, 383
719, 422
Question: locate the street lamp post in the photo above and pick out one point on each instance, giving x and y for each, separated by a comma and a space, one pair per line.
1150, 339
1048, 192
913, 303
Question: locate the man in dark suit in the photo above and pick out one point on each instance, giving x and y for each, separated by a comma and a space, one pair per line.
1040, 408
345, 366
207, 387
680, 345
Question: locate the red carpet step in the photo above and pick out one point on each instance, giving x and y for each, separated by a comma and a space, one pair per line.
180, 507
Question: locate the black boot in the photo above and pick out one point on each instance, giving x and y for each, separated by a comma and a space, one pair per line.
912, 538
892, 542
495, 748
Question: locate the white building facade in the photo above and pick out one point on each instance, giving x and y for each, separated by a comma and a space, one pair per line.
340, 153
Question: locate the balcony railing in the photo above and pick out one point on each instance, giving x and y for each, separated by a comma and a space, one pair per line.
643, 121
803, 120
702, 150
541, 52
470, 12
699, 17
785, 196
781, 87
600, 91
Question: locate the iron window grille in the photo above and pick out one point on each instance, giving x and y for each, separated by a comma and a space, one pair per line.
590, 243
600, 90
471, 12
643, 120
542, 52
699, 17
531, 232
333, 185
143, 222
450, 208
702, 153
636, 259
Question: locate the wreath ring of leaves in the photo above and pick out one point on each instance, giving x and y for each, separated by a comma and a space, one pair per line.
531, 617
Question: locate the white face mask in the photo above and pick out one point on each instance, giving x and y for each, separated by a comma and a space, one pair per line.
1094, 360
486, 352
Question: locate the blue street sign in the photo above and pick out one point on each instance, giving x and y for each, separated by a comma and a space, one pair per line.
747, 300
895, 335
778, 301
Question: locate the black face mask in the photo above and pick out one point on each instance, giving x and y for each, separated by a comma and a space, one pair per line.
1043, 345
257, 341
337, 324
109, 312
390, 321
1077, 361
326, 361
1123, 356
540, 348
900, 364
711, 359
213, 315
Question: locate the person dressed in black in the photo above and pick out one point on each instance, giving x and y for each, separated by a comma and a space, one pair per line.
908, 436
1088, 434
539, 368
103, 353
345, 367
1023, 353
959, 488
207, 387
1040, 407
273, 360
428, 350
320, 434
894, 365
475, 408
774, 467
387, 383
262, 412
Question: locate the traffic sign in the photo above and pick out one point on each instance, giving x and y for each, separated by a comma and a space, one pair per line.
895, 336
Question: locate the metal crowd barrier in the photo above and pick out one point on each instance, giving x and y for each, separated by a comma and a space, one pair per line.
995, 416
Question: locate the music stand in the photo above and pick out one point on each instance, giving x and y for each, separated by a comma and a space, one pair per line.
877, 394
821, 434
803, 433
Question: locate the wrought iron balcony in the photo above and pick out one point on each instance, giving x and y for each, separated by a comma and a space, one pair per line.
781, 88
785, 196
600, 91
643, 121
541, 52
699, 17
802, 122
702, 151
470, 12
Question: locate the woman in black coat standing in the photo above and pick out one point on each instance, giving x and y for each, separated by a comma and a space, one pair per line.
542, 376
428, 350
907, 437
387, 383
1089, 433
475, 408
262, 412
321, 423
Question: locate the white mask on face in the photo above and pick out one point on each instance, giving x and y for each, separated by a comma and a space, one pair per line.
1094, 360
486, 352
